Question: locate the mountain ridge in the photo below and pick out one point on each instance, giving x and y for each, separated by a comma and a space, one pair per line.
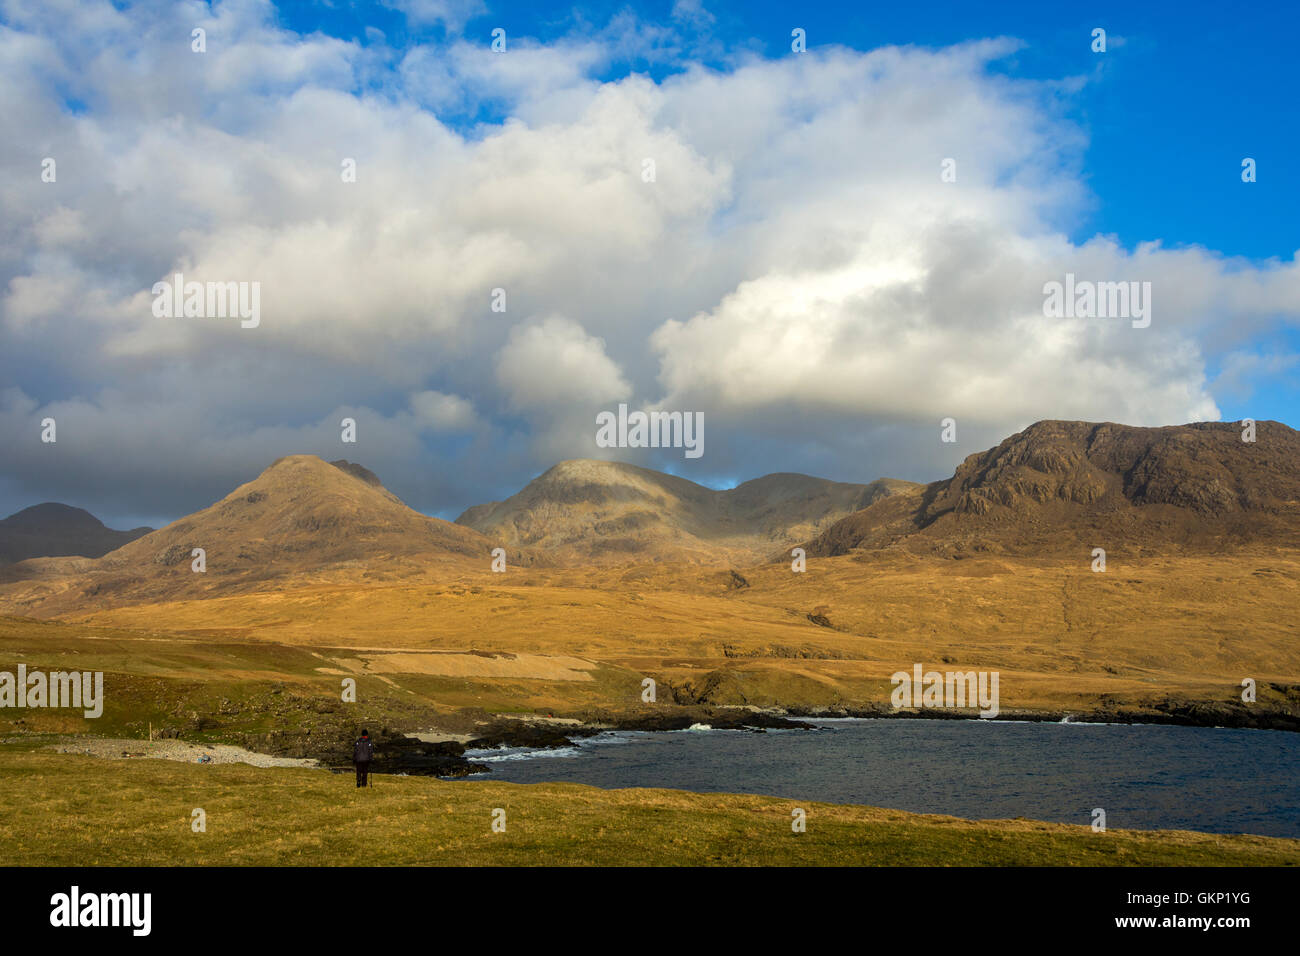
1057, 483
600, 510
54, 529
1056, 488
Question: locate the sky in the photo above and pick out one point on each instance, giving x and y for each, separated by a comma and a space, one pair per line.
825, 252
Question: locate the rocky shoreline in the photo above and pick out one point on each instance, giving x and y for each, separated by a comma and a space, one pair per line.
1174, 713
1183, 713
399, 749
402, 752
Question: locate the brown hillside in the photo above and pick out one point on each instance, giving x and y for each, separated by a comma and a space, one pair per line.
1058, 486
1202, 583
609, 511
299, 519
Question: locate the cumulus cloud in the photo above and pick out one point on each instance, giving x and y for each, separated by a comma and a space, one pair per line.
442, 412
554, 364
770, 243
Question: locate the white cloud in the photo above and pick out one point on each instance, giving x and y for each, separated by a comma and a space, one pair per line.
555, 364
691, 12
442, 412
451, 13
797, 269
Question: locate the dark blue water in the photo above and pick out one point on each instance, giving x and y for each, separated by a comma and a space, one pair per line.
1145, 777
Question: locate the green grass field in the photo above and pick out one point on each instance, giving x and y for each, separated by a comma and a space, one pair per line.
62, 809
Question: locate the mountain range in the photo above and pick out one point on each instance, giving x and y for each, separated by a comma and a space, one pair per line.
1055, 487
586, 510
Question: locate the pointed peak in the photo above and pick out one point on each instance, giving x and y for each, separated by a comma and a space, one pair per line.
317, 466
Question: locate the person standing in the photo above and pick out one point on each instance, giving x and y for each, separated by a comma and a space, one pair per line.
363, 751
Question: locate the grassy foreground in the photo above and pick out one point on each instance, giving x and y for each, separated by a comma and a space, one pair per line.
60, 809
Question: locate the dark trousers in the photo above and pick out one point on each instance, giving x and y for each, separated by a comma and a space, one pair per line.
363, 768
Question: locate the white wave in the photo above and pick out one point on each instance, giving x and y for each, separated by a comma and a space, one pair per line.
610, 737
518, 753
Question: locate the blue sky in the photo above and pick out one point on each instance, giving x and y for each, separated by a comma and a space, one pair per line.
1192, 88
797, 271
